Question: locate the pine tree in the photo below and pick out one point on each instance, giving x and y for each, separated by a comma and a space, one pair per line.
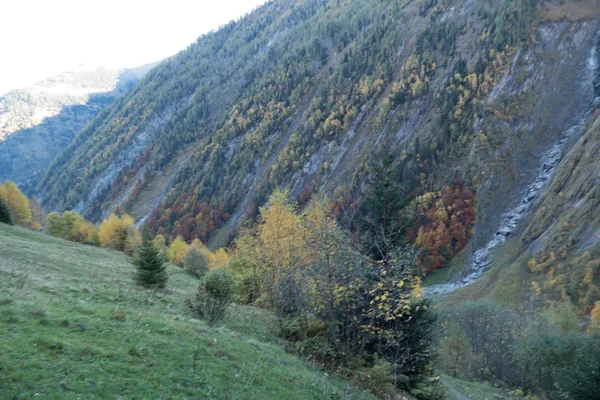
150, 265
4, 213
384, 224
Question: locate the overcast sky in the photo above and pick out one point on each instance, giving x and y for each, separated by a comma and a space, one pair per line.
41, 38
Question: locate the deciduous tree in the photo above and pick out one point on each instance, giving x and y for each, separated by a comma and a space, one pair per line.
177, 251
17, 203
4, 213
119, 233
195, 262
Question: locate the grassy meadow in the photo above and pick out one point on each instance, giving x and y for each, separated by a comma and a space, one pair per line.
74, 325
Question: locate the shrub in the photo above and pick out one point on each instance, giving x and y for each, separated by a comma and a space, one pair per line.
195, 262
492, 332
247, 289
562, 365
214, 295
248, 282
377, 378
456, 355
428, 389
160, 242
54, 224
71, 222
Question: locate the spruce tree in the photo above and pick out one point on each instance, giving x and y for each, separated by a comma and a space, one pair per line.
384, 225
151, 267
4, 213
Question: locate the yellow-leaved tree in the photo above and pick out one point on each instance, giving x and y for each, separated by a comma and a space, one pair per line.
88, 233
17, 203
305, 268
282, 236
221, 259
177, 251
119, 233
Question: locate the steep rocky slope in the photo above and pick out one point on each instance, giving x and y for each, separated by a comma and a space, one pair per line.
554, 252
37, 122
546, 121
307, 94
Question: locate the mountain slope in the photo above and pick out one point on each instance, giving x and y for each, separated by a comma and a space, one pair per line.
36, 123
556, 252
273, 96
308, 94
75, 325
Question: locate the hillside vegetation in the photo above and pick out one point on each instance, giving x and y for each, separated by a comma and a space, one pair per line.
75, 325
320, 159
311, 95
295, 94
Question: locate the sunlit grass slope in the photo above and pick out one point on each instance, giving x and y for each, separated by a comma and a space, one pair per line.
74, 325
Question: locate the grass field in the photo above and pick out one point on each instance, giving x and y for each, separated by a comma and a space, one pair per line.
457, 389
74, 325
448, 272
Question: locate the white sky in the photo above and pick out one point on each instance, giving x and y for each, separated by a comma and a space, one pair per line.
41, 38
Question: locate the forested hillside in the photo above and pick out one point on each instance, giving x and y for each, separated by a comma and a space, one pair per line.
408, 190
280, 94
36, 123
475, 103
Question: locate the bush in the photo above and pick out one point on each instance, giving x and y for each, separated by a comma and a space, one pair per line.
456, 355
428, 389
214, 295
377, 378
247, 289
195, 262
561, 365
491, 330
71, 226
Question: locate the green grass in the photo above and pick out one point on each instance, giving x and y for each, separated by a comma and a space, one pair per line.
74, 325
457, 389
449, 271
506, 282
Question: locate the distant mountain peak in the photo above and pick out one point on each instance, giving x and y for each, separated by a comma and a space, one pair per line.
38, 121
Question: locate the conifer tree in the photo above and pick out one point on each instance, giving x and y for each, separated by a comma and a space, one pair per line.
151, 268
384, 224
4, 213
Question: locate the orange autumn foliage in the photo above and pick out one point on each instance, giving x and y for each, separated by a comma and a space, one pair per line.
444, 222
